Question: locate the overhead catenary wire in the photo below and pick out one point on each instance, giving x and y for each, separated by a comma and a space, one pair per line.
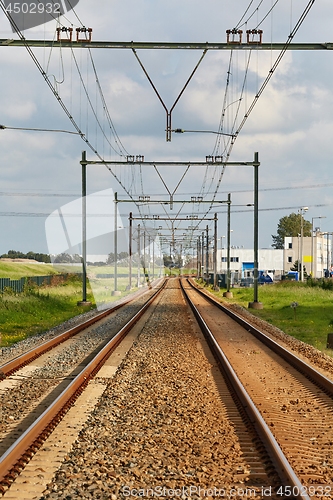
221, 133
217, 209
262, 88
275, 65
58, 97
118, 142
105, 107
211, 180
84, 86
239, 25
47, 194
3, 127
235, 132
246, 11
225, 105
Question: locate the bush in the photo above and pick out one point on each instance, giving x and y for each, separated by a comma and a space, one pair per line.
324, 283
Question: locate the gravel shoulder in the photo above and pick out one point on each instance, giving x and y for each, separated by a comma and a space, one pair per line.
318, 359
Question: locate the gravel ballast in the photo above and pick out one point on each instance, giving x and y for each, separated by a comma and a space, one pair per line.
160, 426
18, 400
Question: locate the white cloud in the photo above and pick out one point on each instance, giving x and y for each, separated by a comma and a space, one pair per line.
20, 110
291, 126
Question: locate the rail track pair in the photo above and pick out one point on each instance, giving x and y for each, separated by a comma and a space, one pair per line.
293, 484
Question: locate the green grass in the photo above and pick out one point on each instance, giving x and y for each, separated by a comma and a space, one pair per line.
15, 270
39, 309
102, 287
311, 320
174, 271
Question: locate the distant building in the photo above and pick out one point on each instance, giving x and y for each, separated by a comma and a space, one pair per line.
270, 261
317, 258
317, 253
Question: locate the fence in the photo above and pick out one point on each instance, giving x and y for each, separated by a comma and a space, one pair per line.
18, 285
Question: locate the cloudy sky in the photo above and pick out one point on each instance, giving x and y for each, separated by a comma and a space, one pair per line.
291, 125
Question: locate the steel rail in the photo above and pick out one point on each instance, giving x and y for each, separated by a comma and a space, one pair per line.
308, 371
283, 467
15, 364
12, 460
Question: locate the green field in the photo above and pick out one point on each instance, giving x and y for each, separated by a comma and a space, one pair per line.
38, 309
310, 321
16, 271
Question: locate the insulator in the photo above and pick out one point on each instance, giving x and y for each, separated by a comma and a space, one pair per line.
68, 31
85, 31
256, 41
231, 36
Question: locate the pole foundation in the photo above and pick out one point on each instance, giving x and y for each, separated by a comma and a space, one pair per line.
256, 305
84, 303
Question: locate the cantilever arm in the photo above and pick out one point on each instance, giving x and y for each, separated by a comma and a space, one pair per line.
168, 113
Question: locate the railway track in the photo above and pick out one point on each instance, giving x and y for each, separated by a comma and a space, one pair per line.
171, 418
25, 438
29, 355
290, 403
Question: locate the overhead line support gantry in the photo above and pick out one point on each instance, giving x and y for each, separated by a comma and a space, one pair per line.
234, 42
9, 42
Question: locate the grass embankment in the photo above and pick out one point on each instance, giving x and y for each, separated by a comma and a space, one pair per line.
16, 271
310, 321
39, 309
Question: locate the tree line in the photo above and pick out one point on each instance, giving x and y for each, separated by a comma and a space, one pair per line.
14, 254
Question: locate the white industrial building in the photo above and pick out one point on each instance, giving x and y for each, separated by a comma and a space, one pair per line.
270, 261
315, 251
